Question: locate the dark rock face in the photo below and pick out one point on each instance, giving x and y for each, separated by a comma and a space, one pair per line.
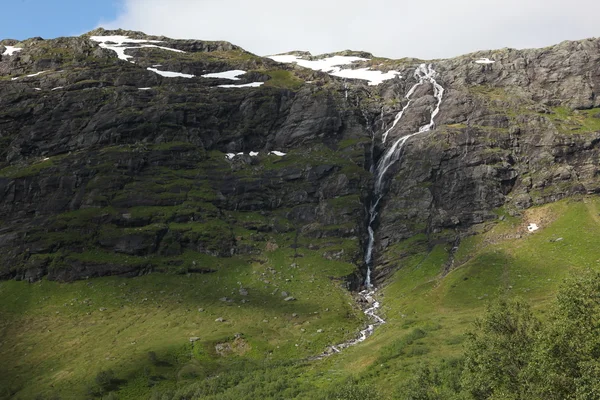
98, 177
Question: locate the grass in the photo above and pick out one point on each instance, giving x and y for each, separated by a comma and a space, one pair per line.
503, 260
23, 171
113, 323
576, 121
64, 334
284, 79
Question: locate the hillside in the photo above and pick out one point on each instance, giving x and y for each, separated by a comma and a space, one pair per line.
199, 220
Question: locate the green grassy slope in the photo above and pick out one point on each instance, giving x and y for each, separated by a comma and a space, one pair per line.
55, 338
428, 313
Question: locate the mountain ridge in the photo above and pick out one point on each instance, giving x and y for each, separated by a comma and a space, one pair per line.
462, 108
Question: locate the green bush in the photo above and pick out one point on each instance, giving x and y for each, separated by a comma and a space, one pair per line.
353, 389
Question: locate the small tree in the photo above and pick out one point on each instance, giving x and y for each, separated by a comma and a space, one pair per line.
567, 363
499, 352
105, 380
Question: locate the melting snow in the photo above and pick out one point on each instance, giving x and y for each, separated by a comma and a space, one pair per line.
332, 65
230, 156
232, 75
29, 76
374, 77
170, 74
10, 50
119, 50
117, 44
253, 84
533, 227
485, 61
36, 74
161, 47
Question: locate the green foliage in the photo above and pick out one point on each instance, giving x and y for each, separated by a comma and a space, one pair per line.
352, 389
512, 355
105, 379
441, 382
499, 351
567, 363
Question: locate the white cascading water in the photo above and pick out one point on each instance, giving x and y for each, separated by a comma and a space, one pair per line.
423, 73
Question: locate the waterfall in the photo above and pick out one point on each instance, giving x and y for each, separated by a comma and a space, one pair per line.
423, 73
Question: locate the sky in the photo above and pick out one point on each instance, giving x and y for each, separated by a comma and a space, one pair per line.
388, 28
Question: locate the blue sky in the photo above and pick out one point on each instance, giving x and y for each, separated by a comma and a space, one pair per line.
22, 19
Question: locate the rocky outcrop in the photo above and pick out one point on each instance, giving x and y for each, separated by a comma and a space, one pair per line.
99, 177
518, 132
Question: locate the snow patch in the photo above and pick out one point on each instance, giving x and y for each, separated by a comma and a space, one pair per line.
231, 75
160, 47
333, 66
118, 45
231, 156
14, 79
144, 88
36, 74
532, 227
373, 76
253, 84
37, 88
330, 64
57, 88
484, 61
10, 50
170, 74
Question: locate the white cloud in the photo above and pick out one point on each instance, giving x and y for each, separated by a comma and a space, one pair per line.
391, 28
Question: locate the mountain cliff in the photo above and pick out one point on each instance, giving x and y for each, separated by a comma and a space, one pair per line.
109, 167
